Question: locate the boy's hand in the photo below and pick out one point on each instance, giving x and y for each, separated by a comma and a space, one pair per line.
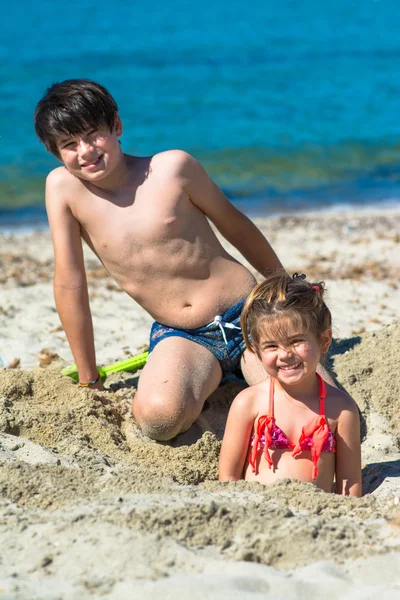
97, 386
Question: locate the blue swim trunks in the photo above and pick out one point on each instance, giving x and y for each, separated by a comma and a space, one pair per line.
223, 337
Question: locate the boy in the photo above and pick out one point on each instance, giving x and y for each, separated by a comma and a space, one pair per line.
147, 221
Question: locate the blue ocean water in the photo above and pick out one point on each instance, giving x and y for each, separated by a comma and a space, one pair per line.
288, 104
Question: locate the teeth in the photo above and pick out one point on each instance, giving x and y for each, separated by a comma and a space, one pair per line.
290, 367
89, 164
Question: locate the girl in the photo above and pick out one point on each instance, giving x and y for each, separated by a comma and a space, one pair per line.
292, 424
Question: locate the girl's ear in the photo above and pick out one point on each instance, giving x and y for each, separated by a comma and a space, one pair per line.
326, 340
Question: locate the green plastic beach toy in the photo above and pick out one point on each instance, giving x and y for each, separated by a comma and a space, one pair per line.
130, 364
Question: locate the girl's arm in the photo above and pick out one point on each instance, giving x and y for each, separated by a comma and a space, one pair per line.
238, 429
348, 450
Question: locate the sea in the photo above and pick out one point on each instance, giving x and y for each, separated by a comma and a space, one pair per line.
290, 105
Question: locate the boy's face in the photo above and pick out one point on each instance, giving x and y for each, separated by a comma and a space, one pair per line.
93, 154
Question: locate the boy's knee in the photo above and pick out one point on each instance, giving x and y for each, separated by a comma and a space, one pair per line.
161, 432
158, 420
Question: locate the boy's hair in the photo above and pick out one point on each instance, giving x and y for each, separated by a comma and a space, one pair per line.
282, 297
71, 108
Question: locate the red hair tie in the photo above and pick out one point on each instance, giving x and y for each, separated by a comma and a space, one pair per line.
316, 287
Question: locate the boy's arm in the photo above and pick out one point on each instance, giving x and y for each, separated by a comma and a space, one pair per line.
348, 451
235, 444
238, 229
70, 286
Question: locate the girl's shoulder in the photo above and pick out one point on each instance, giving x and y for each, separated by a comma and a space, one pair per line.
337, 401
252, 399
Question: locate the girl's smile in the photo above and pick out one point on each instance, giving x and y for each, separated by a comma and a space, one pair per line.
290, 367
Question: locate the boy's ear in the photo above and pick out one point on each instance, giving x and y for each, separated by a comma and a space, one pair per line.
118, 126
326, 340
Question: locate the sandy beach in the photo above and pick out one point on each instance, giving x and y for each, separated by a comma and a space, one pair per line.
90, 508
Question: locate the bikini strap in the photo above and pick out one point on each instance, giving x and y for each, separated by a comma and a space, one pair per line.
317, 429
271, 397
322, 394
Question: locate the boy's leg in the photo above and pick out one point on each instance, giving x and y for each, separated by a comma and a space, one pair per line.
252, 368
176, 381
327, 375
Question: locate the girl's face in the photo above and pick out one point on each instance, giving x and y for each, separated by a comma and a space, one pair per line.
295, 355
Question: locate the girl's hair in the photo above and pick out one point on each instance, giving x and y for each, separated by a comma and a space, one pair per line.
71, 108
282, 297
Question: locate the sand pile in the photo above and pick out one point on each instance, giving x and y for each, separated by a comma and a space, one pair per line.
54, 412
367, 368
87, 499
369, 372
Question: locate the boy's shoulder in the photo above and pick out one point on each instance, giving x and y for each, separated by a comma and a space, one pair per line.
176, 157
172, 163
61, 180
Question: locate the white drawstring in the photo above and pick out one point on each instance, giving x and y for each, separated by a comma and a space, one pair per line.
221, 324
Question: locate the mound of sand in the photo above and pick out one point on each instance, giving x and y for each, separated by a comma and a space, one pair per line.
369, 372
87, 499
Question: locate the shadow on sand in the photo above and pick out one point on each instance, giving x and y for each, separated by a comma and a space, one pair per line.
375, 474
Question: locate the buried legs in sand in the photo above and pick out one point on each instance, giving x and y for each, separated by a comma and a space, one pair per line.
177, 380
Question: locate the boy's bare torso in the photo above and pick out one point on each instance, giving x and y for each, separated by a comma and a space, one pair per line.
157, 245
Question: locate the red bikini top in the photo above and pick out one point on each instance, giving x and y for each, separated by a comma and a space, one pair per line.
316, 436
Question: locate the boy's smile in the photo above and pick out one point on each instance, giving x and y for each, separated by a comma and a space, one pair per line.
91, 165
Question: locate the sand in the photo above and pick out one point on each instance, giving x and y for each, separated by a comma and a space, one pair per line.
90, 508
